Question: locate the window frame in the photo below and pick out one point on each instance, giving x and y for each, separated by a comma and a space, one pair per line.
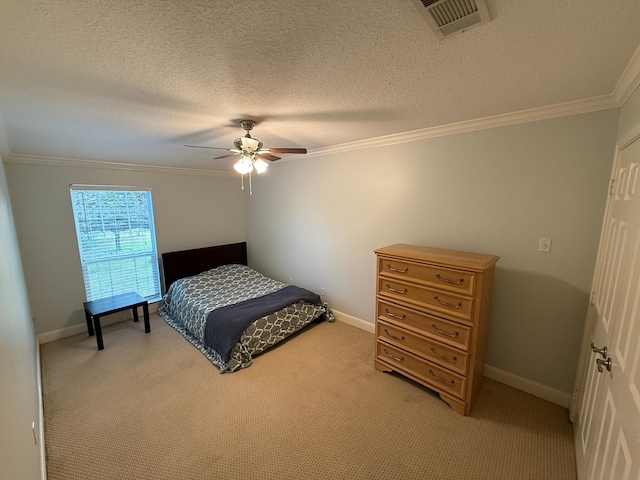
122, 278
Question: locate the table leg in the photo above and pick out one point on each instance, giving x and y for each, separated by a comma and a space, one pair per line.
87, 316
135, 313
96, 321
145, 311
89, 320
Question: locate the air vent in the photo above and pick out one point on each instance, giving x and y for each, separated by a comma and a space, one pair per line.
447, 17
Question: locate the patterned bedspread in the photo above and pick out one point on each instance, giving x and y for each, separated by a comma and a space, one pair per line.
189, 301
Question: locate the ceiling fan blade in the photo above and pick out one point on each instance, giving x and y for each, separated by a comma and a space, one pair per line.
267, 156
287, 150
225, 156
201, 146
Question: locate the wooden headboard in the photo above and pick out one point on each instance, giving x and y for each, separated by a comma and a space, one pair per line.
186, 263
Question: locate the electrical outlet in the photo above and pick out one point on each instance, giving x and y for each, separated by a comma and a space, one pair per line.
322, 291
544, 245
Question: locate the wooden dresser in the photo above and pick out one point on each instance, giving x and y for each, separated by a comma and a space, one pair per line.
432, 318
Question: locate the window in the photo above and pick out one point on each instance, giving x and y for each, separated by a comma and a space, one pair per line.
117, 240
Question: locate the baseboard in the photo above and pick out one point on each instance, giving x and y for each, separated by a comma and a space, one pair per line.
82, 327
519, 383
354, 321
529, 386
41, 439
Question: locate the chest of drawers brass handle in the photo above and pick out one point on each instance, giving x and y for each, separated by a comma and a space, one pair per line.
395, 270
446, 304
401, 292
440, 379
393, 315
452, 282
453, 359
442, 332
402, 339
397, 359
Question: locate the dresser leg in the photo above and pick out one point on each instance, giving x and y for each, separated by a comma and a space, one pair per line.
381, 367
456, 405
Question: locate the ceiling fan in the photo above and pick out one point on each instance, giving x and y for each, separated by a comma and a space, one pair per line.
252, 155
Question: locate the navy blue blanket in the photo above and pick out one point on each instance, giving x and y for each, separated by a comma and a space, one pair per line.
225, 324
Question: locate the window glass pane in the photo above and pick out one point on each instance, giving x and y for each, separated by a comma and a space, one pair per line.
116, 240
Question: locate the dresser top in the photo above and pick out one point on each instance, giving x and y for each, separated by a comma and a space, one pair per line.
440, 256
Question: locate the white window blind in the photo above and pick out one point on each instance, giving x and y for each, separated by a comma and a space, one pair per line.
116, 239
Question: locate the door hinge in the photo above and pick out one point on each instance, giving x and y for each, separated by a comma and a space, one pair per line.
592, 298
612, 186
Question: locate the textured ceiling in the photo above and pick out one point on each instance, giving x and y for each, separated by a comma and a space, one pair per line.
131, 81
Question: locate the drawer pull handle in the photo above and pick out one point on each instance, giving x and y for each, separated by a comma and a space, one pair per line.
452, 282
393, 315
397, 359
402, 339
453, 359
440, 379
395, 270
401, 292
446, 304
453, 335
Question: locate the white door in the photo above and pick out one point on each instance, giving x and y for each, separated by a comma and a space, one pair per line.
607, 430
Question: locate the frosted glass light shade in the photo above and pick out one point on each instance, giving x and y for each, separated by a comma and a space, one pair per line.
244, 165
260, 165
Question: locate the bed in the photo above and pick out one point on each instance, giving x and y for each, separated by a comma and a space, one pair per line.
227, 310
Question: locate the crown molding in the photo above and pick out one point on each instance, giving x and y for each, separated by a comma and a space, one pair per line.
69, 162
629, 80
624, 89
627, 84
594, 104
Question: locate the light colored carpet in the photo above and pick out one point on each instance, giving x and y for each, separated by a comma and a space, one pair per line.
150, 406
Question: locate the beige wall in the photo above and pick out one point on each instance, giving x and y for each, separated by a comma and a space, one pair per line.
20, 398
317, 220
189, 211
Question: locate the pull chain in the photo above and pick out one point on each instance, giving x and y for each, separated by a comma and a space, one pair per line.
242, 179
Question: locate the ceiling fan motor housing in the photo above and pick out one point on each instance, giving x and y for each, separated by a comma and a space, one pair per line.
247, 125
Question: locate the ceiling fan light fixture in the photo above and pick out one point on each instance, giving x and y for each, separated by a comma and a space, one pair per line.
251, 152
244, 165
260, 165
249, 143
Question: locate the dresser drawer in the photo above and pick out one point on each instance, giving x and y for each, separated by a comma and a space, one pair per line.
430, 373
443, 303
459, 281
432, 350
434, 327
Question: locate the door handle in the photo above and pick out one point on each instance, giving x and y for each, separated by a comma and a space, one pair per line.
602, 364
602, 351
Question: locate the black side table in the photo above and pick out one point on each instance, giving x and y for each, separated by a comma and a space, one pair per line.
95, 309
